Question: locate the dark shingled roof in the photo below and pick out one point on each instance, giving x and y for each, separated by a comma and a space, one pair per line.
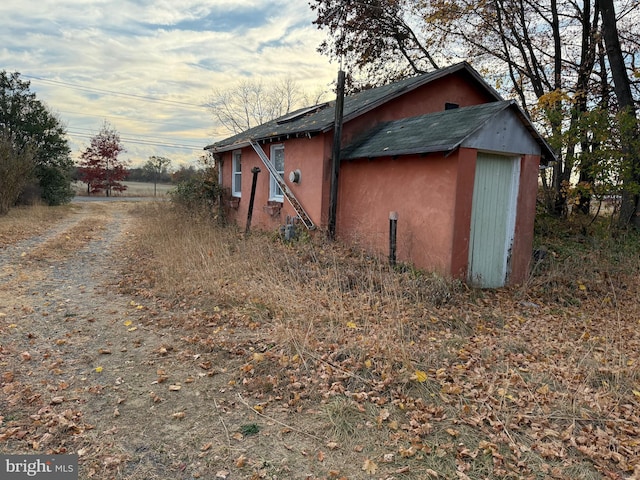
320, 118
434, 132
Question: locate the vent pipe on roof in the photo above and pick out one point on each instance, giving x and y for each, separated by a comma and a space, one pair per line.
335, 156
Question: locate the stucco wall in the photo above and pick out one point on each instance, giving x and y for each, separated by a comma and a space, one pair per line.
428, 98
526, 214
302, 153
466, 164
421, 189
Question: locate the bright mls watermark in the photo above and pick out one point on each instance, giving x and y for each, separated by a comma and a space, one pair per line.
45, 467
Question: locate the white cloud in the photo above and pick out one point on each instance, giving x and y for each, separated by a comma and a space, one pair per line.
174, 51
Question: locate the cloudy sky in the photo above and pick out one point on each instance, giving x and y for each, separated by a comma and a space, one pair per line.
148, 66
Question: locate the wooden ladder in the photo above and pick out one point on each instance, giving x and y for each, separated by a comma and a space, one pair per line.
302, 214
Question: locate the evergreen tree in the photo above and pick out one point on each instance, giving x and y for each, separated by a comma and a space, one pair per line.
28, 126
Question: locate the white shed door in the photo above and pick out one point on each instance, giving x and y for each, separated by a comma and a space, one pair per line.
493, 215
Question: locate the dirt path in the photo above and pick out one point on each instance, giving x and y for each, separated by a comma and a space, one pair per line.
86, 370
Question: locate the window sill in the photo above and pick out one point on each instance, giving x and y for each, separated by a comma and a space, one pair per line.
234, 202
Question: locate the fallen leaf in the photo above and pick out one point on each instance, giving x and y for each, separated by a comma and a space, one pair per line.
99, 369
407, 452
420, 376
369, 467
543, 390
174, 388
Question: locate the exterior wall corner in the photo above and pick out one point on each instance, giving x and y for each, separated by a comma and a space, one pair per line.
462, 213
525, 219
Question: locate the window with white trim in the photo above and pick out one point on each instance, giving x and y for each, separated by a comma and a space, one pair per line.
236, 182
277, 159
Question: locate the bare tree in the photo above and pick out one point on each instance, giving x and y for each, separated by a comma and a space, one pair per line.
546, 53
630, 208
156, 166
252, 102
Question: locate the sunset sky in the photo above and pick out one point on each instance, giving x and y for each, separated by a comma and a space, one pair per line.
149, 66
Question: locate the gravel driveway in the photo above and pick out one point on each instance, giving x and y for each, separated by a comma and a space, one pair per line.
83, 367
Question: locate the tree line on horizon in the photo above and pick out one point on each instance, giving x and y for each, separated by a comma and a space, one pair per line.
35, 158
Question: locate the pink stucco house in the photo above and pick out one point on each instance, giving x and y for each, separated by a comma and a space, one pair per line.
442, 152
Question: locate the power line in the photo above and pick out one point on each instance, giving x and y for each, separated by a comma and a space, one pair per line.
75, 86
140, 119
136, 136
143, 142
138, 139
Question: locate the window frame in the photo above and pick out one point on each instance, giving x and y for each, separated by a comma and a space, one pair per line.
236, 161
274, 188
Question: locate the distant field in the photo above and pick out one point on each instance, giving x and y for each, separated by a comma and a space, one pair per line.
134, 189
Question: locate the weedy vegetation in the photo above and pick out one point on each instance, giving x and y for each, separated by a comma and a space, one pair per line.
398, 373
308, 359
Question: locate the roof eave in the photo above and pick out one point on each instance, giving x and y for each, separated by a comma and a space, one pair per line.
227, 148
547, 154
264, 139
410, 151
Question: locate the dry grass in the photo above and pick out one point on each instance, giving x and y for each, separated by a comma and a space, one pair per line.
300, 289
326, 363
23, 222
535, 381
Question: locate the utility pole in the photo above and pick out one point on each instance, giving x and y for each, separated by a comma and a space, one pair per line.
335, 156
